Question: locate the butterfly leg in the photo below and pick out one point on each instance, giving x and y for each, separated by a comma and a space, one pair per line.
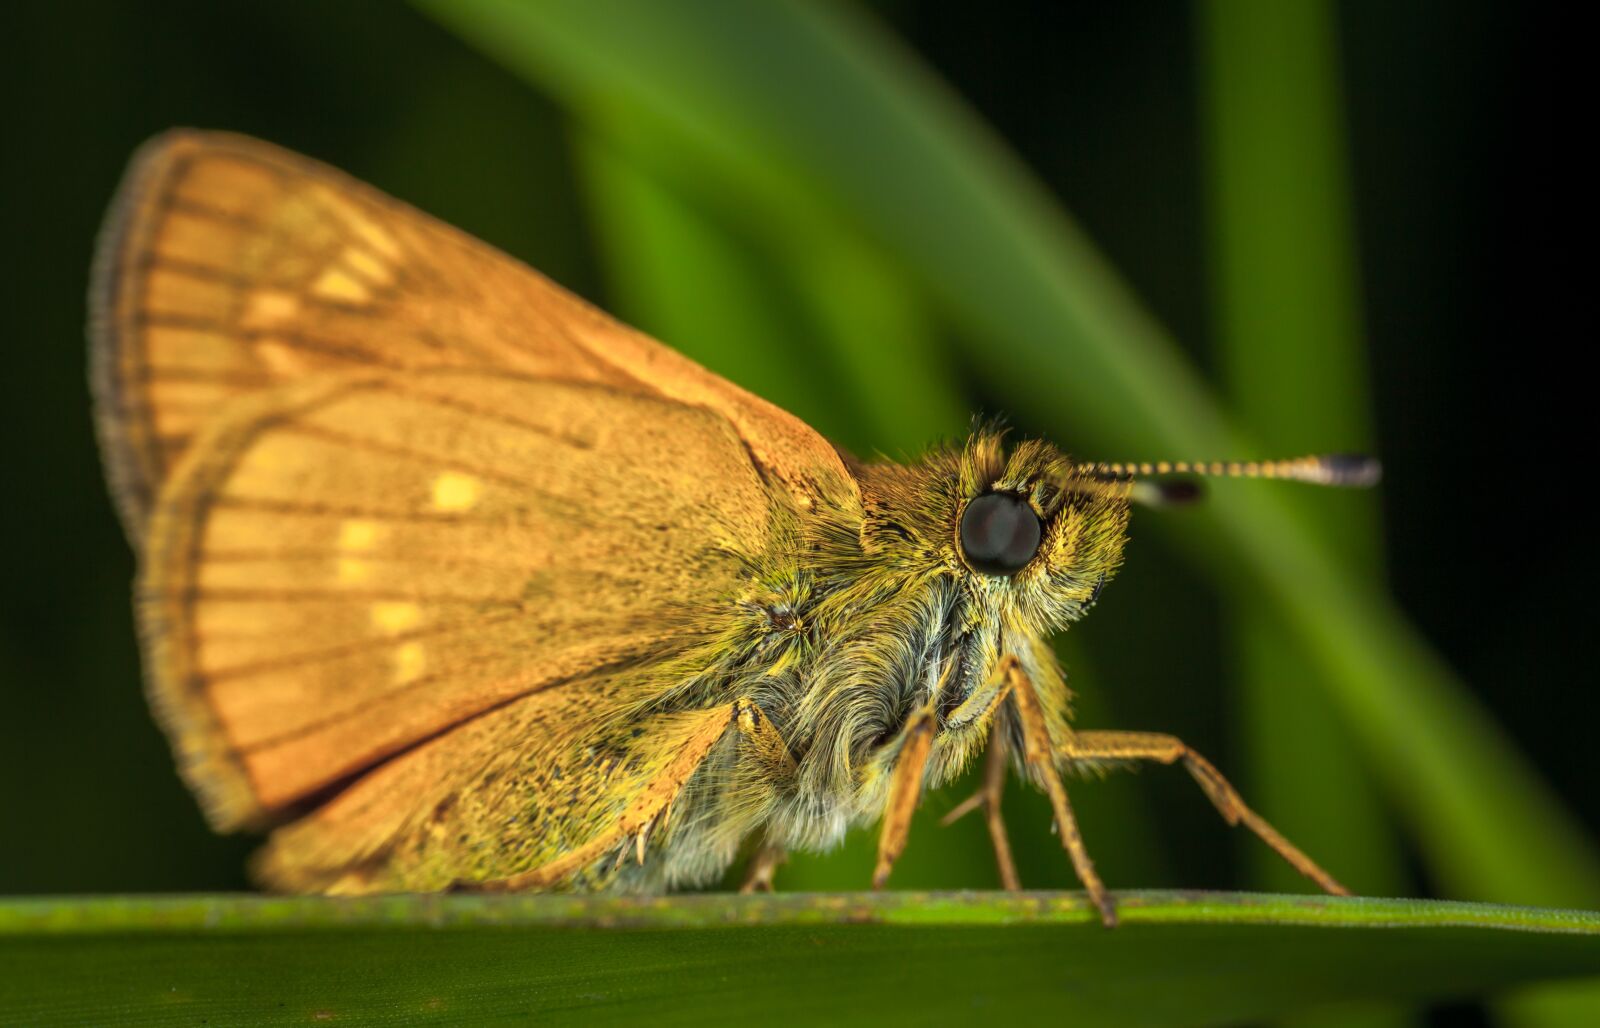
764, 745
758, 874
905, 788
988, 797
982, 703
1169, 749
1038, 755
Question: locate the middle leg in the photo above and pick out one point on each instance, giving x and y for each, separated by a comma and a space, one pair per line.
988, 797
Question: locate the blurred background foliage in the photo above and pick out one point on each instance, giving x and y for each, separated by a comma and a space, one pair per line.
1144, 230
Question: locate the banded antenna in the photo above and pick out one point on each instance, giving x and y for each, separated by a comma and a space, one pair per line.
1344, 470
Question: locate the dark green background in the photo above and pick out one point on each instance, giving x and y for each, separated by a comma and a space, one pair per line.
1475, 284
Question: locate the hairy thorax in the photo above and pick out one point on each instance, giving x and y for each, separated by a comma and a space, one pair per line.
856, 620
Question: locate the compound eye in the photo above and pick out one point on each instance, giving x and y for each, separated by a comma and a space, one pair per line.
1000, 533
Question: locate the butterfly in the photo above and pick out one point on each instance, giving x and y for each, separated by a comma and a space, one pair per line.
450, 581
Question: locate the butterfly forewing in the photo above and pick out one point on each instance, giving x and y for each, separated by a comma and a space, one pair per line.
344, 567
229, 266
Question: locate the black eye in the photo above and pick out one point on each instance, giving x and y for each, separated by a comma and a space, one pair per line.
1000, 533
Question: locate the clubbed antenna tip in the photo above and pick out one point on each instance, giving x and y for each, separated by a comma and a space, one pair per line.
1174, 492
1356, 470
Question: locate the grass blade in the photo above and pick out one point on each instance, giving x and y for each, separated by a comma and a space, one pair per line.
1179, 959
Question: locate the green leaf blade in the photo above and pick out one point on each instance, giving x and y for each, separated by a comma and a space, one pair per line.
1178, 958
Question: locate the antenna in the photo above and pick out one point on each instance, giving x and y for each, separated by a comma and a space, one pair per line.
1353, 470
1345, 470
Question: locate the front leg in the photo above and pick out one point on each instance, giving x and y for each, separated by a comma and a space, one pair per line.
1009, 682
905, 787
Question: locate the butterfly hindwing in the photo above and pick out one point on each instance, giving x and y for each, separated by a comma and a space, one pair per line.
545, 791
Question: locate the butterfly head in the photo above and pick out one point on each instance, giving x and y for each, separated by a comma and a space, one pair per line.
1033, 537
1042, 534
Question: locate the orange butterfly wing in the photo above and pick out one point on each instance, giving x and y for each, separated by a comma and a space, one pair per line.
385, 480
229, 265
346, 567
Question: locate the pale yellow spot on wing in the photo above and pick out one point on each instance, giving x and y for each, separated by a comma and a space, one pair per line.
409, 662
354, 569
260, 465
356, 222
395, 616
280, 358
357, 534
338, 284
366, 265
269, 306
455, 491
380, 240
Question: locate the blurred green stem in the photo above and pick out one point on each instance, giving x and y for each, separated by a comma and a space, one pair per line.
1289, 337
699, 290
1288, 332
